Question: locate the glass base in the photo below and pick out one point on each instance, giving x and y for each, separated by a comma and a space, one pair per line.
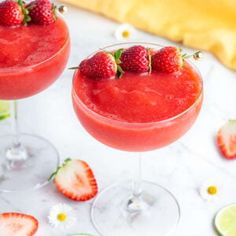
27, 165
155, 212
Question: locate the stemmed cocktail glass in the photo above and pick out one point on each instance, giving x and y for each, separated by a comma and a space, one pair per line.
140, 207
26, 161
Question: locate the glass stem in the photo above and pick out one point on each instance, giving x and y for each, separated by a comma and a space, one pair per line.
16, 153
15, 127
137, 182
135, 203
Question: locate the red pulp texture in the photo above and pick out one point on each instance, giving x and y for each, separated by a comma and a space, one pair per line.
139, 112
31, 58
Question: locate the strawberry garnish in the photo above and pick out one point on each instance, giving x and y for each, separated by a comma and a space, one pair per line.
11, 13
226, 140
75, 180
42, 12
135, 59
17, 224
167, 59
100, 66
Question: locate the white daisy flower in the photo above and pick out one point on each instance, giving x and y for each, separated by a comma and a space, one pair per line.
124, 32
210, 191
61, 216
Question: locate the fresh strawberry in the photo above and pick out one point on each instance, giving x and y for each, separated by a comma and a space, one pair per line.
17, 224
226, 140
85, 69
167, 59
135, 59
11, 13
42, 12
100, 66
75, 180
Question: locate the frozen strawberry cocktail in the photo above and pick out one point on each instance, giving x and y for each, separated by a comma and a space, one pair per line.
31, 57
34, 49
137, 98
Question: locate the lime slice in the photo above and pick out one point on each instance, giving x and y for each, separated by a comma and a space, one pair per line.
225, 221
4, 110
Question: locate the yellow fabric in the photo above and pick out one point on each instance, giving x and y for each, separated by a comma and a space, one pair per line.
205, 24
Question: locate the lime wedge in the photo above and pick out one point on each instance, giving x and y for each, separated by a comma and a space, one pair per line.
4, 110
225, 221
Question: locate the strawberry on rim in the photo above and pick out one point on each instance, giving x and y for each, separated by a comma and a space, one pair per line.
135, 59
75, 180
13, 13
226, 140
170, 59
42, 12
17, 224
102, 65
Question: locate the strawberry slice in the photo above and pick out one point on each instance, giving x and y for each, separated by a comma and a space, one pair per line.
75, 180
17, 224
226, 140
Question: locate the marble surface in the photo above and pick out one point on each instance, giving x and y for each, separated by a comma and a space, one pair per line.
181, 167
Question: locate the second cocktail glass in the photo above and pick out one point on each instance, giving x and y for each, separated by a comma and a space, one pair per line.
34, 57
135, 208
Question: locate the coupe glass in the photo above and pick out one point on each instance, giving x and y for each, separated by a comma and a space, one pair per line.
27, 160
137, 207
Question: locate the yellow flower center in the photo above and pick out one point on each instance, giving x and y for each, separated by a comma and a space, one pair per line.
62, 217
212, 190
126, 34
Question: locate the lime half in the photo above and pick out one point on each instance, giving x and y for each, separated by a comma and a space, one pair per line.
225, 221
4, 110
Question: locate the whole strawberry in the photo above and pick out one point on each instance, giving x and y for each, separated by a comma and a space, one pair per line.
42, 12
167, 59
135, 59
100, 66
11, 13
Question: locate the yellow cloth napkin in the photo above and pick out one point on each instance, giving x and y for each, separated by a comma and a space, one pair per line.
205, 24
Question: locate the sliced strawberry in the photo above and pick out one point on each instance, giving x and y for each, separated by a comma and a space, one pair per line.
226, 140
17, 224
135, 59
100, 66
75, 180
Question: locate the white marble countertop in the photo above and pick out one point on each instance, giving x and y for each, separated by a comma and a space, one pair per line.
182, 167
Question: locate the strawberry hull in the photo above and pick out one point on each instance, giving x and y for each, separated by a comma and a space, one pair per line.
30, 70
135, 130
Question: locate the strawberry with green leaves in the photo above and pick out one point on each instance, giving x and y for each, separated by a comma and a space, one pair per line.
13, 13
102, 65
170, 59
42, 12
135, 59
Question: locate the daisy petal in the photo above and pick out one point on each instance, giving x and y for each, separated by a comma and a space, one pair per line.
124, 32
61, 216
